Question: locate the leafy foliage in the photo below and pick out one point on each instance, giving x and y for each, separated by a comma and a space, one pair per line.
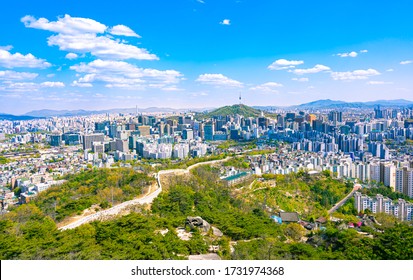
90, 187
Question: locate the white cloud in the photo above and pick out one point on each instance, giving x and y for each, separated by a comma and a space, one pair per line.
200, 1
390, 70
123, 31
99, 46
20, 87
50, 75
218, 80
267, 87
83, 85
282, 64
316, 69
71, 56
12, 75
364, 51
171, 88
355, 75
30, 87
349, 54
6, 48
15, 60
406, 62
65, 25
225, 22
80, 35
379, 83
121, 74
52, 84
300, 79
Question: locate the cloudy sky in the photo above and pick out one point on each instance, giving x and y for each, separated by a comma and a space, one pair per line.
202, 53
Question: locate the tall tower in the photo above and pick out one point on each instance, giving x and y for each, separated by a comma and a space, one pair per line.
240, 99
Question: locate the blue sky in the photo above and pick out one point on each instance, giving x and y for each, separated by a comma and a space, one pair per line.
191, 53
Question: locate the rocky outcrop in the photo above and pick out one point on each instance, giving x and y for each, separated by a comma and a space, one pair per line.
198, 222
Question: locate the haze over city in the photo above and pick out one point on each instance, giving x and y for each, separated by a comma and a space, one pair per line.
197, 53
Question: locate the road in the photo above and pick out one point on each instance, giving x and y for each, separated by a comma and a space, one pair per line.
148, 198
341, 202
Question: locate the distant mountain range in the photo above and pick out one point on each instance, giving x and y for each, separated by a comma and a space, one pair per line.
337, 104
226, 110
66, 113
328, 103
17, 118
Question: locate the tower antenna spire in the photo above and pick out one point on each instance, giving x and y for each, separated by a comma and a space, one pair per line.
240, 102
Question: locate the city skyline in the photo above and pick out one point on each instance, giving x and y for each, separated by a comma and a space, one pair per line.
201, 53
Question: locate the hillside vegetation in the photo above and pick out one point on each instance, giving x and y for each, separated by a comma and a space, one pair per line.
102, 187
239, 109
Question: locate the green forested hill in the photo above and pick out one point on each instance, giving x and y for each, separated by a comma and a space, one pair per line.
92, 187
239, 109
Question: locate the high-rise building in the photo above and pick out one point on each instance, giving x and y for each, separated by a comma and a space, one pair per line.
390, 175
335, 116
188, 134
88, 139
209, 132
404, 181
56, 140
122, 145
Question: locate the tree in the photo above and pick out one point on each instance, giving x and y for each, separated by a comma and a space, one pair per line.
294, 231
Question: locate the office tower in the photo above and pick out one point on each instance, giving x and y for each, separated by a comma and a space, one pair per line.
56, 140
88, 139
209, 132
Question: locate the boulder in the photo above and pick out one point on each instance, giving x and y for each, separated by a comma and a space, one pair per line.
198, 222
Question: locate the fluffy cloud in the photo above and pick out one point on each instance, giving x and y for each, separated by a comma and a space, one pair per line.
99, 46
15, 76
6, 48
218, 80
80, 35
349, 54
120, 74
71, 56
267, 87
30, 87
65, 25
282, 64
316, 69
406, 62
355, 75
52, 84
123, 31
83, 85
9, 60
300, 79
225, 22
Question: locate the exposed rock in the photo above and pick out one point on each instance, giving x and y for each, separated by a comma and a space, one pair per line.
217, 232
198, 222
204, 257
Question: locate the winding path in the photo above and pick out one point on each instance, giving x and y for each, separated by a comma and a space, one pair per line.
341, 202
148, 198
